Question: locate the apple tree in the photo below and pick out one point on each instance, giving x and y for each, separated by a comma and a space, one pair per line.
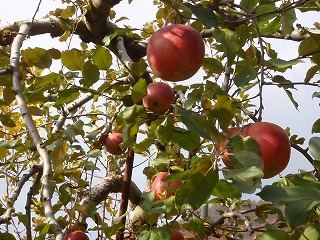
77, 121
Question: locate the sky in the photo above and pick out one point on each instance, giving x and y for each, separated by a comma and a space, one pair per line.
277, 107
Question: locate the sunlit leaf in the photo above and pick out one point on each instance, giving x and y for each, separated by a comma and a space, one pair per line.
139, 90
73, 59
164, 130
205, 15
274, 234
90, 74
311, 232
188, 140
102, 58
314, 147
38, 57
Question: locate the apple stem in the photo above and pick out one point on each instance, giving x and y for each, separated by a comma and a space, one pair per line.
126, 185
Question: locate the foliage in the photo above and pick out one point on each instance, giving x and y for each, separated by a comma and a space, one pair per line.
77, 95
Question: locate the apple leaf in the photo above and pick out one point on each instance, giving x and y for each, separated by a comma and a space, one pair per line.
316, 126
274, 234
73, 59
311, 232
310, 45
196, 190
249, 4
297, 212
67, 95
287, 19
294, 102
164, 130
138, 68
102, 58
245, 180
244, 75
139, 90
188, 140
205, 15
90, 74
224, 110
7, 236
278, 194
161, 233
213, 65
130, 114
280, 63
314, 147
38, 57
311, 73
198, 123
224, 190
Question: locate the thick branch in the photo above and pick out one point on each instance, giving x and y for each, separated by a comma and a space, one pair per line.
31, 127
111, 184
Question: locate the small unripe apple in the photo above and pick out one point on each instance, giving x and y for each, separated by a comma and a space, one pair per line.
175, 52
274, 145
164, 189
76, 235
159, 97
112, 143
176, 235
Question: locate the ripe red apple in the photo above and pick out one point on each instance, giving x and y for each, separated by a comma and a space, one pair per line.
176, 235
159, 97
76, 235
274, 145
164, 189
175, 52
112, 143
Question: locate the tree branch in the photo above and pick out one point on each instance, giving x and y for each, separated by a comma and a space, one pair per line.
45, 158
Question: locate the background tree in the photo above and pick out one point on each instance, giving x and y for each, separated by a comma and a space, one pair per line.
59, 106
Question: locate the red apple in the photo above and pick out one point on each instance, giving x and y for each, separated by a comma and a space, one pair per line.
159, 97
164, 189
76, 235
175, 52
112, 144
274, 145
176, 235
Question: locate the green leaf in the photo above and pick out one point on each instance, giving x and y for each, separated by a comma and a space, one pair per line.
139, 90
138, 68
249, 4
144, 145
161, 233
164, 130
188, 140
244, 76
90, 74
197, 123
277, 194
246, 179
130, 114
205, 15
297, 212
73, 59
7, 121
67, 95
271, 27
196, 190
38, 57
311, 73
314, 147
311, 232
117, 32
224, 110
316, 126
264, 11
280, 63
310, 45
7, 236
213, 65
224, 190
274, 234
284, 83
102, 58
94, 153
8, 95
294, 102
65, 191
288, 17
68, 12
230, 42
